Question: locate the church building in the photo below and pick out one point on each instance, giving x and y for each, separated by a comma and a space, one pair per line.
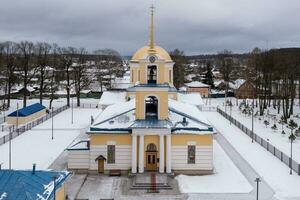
151, 130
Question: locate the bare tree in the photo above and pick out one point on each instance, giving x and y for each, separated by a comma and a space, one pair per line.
42, 51
81, 77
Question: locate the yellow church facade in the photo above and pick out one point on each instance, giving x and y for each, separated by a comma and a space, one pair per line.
151, 131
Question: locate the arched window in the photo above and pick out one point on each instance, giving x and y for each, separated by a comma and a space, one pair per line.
152, 74
151, 103
151, 147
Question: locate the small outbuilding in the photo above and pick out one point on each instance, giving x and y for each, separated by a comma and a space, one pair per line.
197, 86
31, 184
26, 114
245, 90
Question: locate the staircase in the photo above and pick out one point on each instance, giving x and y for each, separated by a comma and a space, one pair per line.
152, 183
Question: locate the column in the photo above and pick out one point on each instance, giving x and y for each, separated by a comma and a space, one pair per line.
168, 154
161, 154
141, 154
133, 154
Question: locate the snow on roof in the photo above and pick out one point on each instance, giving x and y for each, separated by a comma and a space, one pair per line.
237, 83
120, 117
23, 184
190, 98
190, 110
80, 145
114, 110
29, 110
196, 84
109, 98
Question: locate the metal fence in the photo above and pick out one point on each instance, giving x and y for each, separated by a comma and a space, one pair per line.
266, 144
15, 132
85, 105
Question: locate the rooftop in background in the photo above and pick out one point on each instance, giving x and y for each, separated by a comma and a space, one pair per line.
196, 84
29, 110
24, 184
110, 97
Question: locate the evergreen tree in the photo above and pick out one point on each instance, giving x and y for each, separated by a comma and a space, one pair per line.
209, 77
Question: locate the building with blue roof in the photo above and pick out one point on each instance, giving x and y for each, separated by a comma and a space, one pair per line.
32, 184
27, 114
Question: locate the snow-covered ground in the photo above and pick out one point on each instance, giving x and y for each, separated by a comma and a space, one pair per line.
226, 174
275, 137
275, 173
36, 145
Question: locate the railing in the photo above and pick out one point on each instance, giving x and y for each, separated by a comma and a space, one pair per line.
266, 144
15, 132
85, 105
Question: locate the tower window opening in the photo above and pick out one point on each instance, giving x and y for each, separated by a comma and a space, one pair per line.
152, 74
151, 107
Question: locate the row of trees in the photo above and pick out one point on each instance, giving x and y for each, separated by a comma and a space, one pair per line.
51, 65
276, 76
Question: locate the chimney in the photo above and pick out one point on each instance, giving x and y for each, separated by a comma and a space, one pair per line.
33, 168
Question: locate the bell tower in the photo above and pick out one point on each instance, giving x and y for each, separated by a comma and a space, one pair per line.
151, 71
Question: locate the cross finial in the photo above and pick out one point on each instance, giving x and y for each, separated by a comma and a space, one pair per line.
152, 28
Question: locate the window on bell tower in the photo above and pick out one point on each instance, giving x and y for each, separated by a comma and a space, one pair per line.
152, 74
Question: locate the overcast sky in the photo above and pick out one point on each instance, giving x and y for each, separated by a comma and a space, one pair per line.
195, 26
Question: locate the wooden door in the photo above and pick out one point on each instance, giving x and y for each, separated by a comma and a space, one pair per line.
100, 166
151, 161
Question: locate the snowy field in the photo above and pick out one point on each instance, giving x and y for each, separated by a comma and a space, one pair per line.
275, 173
275, 137
225, 170
36, 145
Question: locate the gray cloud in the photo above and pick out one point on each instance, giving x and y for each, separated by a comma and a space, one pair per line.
206, 26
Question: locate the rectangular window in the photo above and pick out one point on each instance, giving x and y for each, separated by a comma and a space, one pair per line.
139, 75
131, 75
191, 154
111, 153
170, 76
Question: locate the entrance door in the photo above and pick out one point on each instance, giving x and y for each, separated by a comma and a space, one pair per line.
100, 166
151, 161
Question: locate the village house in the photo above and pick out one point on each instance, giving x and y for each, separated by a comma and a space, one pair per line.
197, 86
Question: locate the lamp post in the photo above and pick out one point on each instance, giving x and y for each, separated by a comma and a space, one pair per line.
292, 138
257, 180
52, 135
72, 110
252, 125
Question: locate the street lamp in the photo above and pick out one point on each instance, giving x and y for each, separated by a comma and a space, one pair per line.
52, 123
257, 180
72, 110
292, 137
252, 125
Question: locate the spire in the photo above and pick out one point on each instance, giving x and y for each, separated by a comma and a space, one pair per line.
152, 29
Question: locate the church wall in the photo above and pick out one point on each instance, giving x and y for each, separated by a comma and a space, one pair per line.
204, 152
122, 144
78, 159
120, 139
183, 139
122, 157
203, 161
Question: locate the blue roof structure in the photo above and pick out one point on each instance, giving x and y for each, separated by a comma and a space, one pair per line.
29, 110
26, 185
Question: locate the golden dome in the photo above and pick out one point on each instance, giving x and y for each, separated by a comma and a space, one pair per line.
143, 52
